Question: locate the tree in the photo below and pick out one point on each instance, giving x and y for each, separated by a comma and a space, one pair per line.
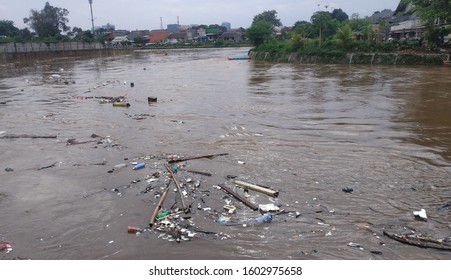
48, 22
324, 24
339, 15
304, 28
345, 36
431, 11
7, 28
358, 24
259, 32
25, 35
268, 16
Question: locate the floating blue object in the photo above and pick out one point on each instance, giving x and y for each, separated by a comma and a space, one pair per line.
139, 166
266, 218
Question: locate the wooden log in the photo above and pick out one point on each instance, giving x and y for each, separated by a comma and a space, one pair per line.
240, 198
196, 157
249, 186
160, 203
179, 188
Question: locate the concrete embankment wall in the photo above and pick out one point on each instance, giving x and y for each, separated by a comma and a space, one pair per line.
354, 58
17, 52
48, 47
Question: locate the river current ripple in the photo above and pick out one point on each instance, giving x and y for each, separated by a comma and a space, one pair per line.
308, 131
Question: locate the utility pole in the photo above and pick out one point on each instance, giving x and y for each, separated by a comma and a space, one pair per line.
92, 17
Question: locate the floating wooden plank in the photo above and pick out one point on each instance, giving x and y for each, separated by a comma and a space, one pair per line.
240, 198
257, 188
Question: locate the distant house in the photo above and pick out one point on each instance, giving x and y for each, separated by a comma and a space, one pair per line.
178, 37
138, 34
158, 36
406, 23
120, 40
233, 36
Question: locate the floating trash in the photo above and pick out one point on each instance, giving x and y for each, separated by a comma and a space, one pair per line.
347, 190
134, 230
268, 208
139, 166
421, 214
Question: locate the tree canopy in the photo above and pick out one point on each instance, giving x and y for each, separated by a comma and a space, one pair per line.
429, 10
259, 32
48, 22
268, 16
7, 28
339, 15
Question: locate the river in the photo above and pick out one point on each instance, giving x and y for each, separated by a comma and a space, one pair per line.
308, 131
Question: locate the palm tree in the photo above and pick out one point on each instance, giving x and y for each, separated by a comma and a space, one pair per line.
345, 36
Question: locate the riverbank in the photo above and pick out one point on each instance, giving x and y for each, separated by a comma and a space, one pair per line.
354, 58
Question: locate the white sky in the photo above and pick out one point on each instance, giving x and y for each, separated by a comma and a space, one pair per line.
146, 14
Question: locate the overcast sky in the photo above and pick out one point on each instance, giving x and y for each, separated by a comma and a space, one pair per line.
146, 14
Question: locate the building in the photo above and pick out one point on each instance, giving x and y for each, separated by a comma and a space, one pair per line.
227, 26
406, 24
158, 36
236, 36
174, 28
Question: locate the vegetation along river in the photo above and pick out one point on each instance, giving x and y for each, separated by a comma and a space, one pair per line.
352, 149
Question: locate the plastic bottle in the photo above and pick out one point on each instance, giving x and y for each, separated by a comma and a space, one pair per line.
139, 166
162, 215
121, 104
119, 166
223, 220
134, 230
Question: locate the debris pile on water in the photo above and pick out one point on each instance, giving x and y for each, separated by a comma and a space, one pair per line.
176, 221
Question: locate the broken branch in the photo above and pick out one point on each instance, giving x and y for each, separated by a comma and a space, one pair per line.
418, 241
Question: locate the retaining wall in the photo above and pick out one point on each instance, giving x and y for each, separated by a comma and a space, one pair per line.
354, 58
46, 47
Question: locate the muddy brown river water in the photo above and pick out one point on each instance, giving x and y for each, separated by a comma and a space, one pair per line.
308, 131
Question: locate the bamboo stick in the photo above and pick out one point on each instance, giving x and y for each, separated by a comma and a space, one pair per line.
199, 172
179, 188
240, 198
160, 203
196, 157
257, 188
15, 136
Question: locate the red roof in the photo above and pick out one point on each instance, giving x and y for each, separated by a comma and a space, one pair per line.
158, 36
